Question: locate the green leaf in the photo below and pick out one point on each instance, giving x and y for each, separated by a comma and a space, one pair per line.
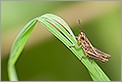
18, 47
62, 31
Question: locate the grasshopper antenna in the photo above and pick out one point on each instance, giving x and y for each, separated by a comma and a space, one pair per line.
80, 28
80, 25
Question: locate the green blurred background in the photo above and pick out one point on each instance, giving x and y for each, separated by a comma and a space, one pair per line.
45, 57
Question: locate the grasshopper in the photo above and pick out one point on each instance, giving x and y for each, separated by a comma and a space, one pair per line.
89, 50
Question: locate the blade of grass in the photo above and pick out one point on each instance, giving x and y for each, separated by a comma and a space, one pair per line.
17, 49
62, 31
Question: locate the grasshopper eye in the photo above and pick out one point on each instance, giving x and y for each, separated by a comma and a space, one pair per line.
82, 38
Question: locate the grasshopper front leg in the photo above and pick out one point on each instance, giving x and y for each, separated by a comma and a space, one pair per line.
77, 47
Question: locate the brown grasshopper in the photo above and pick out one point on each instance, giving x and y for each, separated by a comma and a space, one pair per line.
89, 50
